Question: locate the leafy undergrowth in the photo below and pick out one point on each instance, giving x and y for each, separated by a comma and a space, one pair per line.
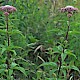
39, 48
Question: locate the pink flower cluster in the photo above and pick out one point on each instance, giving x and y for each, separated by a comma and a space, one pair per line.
69, 9
7, 9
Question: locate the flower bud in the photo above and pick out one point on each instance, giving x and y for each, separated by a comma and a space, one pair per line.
6, 13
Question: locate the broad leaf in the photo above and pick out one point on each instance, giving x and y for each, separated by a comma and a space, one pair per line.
21, 69
75, 68
13, 65
49, 64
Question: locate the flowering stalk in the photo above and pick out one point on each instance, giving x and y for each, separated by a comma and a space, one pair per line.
66, 37
7, 10
70, 11
8, 43
7, 31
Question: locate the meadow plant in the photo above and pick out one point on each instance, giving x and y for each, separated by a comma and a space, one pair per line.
7, 10
70, 10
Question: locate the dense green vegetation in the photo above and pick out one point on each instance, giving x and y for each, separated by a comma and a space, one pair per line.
38, 48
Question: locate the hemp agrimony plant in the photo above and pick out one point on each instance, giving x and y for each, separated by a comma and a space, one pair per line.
10, 63
70, 10
7, 10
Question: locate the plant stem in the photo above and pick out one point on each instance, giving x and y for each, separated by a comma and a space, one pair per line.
7, 30
8, 43
67, 33
59, 66
60, 60
6, 1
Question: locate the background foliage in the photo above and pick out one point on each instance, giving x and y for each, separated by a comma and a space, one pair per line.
38, 29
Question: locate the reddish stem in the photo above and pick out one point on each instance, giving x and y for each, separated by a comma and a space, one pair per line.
67, 33
8, 43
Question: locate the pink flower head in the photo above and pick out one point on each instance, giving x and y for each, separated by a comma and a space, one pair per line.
76, 9
63, 10
8, 8
6, 13
69, 9
69, 15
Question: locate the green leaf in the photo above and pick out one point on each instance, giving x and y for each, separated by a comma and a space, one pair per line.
49, 64
13, 64
3, 31
21, 69
15, 32
71, 54
68, 52
3, 50
10, 72
51, 79
14, 47
14, 52
39, 74
75, 68
63, 56
74, 32
2, 70
65, 67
